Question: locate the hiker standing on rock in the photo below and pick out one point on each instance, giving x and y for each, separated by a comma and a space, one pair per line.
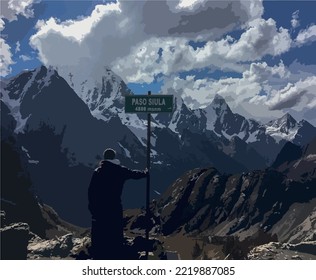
105, 206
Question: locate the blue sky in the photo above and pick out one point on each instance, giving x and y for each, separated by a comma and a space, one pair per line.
260, 79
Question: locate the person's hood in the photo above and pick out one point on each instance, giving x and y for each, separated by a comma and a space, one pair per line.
114, 161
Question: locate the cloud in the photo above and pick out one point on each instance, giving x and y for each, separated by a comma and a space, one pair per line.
1, 24
12, 8
5, 58
263, 92
25, 57
295, 19
261, 73
122, 35
171, 55
300, 94
17, 47
239, 93
306, 36
261, 38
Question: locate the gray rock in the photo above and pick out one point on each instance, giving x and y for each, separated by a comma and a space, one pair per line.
284, 251
59, 247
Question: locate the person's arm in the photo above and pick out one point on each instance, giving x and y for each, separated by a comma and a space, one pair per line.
134, 174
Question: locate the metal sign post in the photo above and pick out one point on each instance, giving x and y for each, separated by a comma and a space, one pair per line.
148, 104
148, 180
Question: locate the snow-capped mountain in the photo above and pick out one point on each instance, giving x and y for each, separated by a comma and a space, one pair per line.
26, 87
182, 118
42, 97
105, 99
287, 128
227, 124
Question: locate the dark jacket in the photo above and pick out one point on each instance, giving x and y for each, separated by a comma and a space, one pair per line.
106, 188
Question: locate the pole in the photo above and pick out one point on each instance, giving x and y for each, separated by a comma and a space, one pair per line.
148, 180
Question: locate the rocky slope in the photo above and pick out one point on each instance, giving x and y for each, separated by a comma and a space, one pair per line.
204, 201
254, 208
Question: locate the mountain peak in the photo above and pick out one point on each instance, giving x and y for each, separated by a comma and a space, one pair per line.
219, 104
219, 101
218, 98
285, 122
288, 117
103, 92
43, 71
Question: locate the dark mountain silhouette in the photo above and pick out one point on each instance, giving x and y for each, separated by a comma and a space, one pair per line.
44, 97
299, 163
243, 153
288, 153
17, 200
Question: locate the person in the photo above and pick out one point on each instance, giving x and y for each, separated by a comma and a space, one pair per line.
105, 206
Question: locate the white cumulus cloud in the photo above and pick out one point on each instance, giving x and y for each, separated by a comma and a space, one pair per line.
300, 94
122, 35
306, 36
10, 9
5, 58
263, 91
1, 24
261, 37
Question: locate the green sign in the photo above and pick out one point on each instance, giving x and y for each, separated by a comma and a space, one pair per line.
148, 103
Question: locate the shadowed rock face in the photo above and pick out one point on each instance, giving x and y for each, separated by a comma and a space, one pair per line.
14, 241
298, 163
203, 200
289, 153
17, 200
